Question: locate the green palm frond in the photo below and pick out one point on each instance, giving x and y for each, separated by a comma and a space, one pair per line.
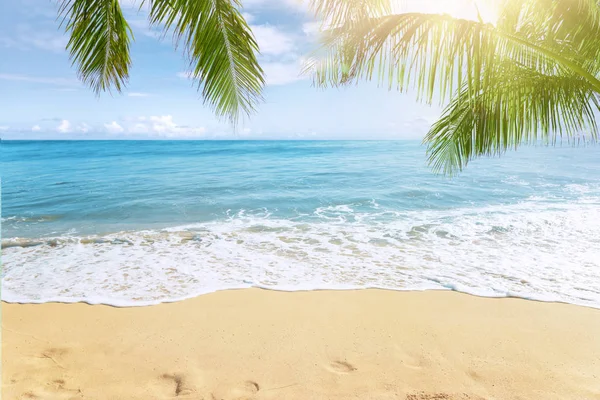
221, 49
487, 71
425, 51
433, 53
216, 38
525, 107
566, 18
99, 42
564, 26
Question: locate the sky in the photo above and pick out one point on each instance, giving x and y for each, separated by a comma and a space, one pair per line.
41, 97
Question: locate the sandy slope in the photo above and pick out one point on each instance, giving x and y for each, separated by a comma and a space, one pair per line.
256, 344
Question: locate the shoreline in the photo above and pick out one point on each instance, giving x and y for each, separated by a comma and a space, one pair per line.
271, 289
318, 344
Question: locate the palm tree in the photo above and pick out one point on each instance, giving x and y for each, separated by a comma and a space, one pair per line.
531, 76
214, 35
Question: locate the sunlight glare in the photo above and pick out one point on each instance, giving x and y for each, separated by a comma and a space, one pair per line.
466, 9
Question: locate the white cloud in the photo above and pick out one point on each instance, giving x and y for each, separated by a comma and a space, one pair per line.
113, 127
39, 79
162, 126
46, 41
36, 128
64, 126
143, 26
138, 94
311, 28
163, 123
278, 73
83, 127
4, 128
248, 17
29, 37
272, 40
138, 128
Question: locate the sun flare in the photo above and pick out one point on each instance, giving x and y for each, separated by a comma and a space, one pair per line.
467, 9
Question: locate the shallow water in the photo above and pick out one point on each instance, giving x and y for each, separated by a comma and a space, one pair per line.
134, 223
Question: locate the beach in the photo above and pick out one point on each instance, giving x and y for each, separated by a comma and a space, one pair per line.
260, 344
220, 230
237, 270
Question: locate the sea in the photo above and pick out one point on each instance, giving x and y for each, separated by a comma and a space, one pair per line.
135, 223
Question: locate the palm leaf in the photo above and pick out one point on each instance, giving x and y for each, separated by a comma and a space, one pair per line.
221, 49
524, 107
504, 73
99, 42
433, 53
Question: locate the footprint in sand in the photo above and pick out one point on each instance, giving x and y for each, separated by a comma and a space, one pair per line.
428, 396
246, 391
416, 360
54, 354
60, 387
58, 383
178, 383
341, 367
252, 386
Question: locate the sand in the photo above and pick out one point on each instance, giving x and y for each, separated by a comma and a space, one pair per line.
257, 344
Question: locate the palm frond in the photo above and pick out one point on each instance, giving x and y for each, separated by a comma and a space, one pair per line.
564, 26
435, 54
99, 42
425, 50
558, 18
523, 107
339, 12
531, 76
221, 49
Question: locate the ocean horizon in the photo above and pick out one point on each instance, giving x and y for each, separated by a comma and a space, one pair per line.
133, 223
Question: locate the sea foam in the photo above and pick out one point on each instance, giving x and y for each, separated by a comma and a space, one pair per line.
537, 250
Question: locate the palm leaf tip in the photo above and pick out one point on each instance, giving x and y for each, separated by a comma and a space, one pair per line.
99, 42
221, 49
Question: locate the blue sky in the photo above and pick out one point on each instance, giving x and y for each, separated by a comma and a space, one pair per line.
42, 98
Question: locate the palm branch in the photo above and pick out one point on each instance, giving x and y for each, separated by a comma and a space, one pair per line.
532, 75
215, 37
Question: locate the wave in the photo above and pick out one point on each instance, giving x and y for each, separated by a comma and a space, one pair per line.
541, 251
32, 218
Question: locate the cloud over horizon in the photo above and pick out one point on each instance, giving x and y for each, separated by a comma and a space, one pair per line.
39, 83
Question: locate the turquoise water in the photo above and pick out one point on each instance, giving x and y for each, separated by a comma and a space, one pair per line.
142, 222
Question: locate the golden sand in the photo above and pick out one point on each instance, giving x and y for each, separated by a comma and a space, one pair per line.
257, 344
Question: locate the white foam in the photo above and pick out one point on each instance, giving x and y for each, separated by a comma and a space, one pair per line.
532, 250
